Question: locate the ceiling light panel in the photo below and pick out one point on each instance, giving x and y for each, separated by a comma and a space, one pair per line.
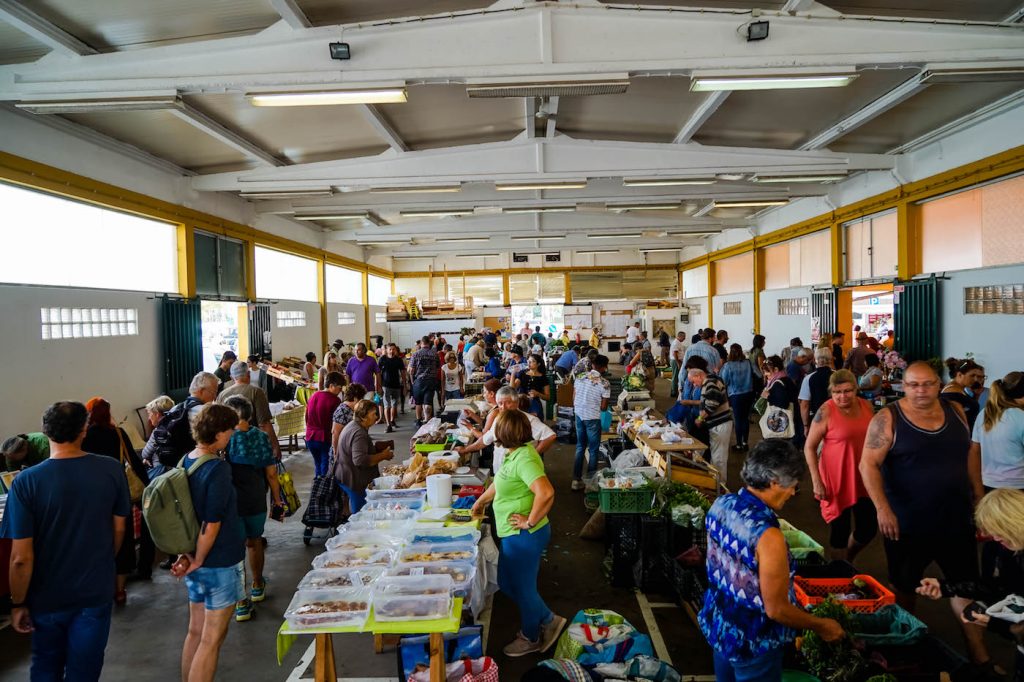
527, 237
645, 207
540, 209
615, 235
660, 250
476, 255
437, 213
751, 204
287, 194
512, 187
463, 239
554, 89
331, 216
665, 182
427, 189
708, 84
834, 177
88, 106
594, 252
328, 97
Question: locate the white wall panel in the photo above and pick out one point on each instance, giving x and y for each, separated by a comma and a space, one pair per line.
126, 370
349, 333
740, 327
698, 320
779, 329
296, 341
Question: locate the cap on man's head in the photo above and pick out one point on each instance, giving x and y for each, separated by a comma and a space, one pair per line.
239, 370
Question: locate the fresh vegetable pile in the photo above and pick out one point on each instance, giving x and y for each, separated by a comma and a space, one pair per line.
832, 661
668, 494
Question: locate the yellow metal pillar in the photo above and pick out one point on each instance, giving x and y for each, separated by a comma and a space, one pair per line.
186, 261
506, 297
568, 288
759, 276
321, 298
908, 240
836, 251
711, 294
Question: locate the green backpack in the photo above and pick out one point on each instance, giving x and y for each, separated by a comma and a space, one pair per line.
167, 508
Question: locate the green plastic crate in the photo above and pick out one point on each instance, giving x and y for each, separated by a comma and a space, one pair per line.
626, 500
434, 447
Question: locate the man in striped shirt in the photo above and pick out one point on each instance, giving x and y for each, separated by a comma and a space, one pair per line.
590, 395
704, 349
423, 370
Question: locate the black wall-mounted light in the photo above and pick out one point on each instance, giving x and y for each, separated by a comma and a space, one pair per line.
342, 51
757, 30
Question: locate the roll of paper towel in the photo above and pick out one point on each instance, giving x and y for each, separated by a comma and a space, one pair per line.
439, 491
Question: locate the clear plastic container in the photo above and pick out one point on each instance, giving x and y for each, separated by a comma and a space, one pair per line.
338, 578
412, 598
394, 504
462, 573
422, 552
402, 514
356, 539
440, 534
396, 494
396, 529
329, 608
385, 482
356, 558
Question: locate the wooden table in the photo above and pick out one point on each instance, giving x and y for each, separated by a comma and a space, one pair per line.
693, 468
323, 663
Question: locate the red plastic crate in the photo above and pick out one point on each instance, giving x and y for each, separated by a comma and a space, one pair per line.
813, 591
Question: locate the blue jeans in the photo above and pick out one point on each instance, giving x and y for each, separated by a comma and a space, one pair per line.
453, 395
741, 405
69, 645
518, 565
588, 435
767, 668
321, 456
355, 500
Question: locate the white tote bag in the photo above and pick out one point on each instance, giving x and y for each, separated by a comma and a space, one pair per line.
777, 422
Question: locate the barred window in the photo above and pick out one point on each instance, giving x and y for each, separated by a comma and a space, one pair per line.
794, 306
86, 323
291, 318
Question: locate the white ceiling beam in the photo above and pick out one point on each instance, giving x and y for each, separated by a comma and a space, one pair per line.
376, 119
1016, 16
794, 6
290, 11
559, 158
552, 111
699, 117
54, 37
900, 93
221, 132
650, 41
530, 117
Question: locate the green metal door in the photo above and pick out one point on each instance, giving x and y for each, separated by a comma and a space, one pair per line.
259, 330
825, 308
916, 317
182, 344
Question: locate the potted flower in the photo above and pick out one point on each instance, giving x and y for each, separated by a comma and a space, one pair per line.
892, 363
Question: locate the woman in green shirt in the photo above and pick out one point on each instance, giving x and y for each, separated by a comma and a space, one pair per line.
522, 496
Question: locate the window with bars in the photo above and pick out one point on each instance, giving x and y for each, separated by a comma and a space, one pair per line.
380, 317
346, 318
694, 308
731, 308
794, 306
291, 318
86, 323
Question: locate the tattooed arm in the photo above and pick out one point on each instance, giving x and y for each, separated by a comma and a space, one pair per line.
876, 447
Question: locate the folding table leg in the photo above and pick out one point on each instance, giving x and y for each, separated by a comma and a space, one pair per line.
323, 665
437, 663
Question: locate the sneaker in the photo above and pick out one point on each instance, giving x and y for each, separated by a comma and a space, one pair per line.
549, 633
577, 484
167, 563
520, 646
243, 611
259, 592
391, 428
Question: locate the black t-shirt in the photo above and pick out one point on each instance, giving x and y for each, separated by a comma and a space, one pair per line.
721, 351
223, 375
215, 501
391, 370
529, 383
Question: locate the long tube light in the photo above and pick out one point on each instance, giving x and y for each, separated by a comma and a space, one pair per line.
287, 193
393, 242
411, 257
477, 255
88, 106
437, 213
332, 216
426, 189
666, 182
751, 204
464, 239
540, 209
661, 249
828, 177
593, 252
328, 97
511, 187
616, 235
527, 237
644, 207
708, 84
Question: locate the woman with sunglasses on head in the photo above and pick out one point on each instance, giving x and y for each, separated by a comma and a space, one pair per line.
966, 381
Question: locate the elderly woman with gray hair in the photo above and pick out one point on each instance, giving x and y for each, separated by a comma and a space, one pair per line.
749, 614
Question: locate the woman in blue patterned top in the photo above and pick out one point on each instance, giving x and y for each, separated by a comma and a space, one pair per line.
749, 612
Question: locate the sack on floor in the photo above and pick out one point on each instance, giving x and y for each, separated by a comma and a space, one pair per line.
652, 669
557, 669
777, 422
594, 528
167, 508
601, 636
414, 650
291, 498
628, 459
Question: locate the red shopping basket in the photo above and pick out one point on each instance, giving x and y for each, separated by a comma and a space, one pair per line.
813, 591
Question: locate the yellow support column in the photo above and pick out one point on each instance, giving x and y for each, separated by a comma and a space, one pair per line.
568, 288
506, 297
186, 261
250, 270
711, 294
836, 251
908, 240
366, 305
321, 298
758, 287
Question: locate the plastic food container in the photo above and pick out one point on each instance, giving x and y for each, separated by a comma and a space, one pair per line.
444, 456
444, 534
403, 514
462, 573
357, 539
396, 529
385, 483
394, 504
340, 578
355, 558
396, 494
420, 597
422, 552
328, 608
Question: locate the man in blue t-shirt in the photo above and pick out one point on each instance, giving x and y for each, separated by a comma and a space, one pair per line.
66, 518
566, 362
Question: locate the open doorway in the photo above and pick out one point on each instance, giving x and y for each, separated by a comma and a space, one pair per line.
867, 308
222, 322
549, 317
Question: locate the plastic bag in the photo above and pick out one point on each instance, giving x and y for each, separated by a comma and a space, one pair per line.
431, 426
650, 668
888, 625
1010, 609
628, 459
688, 516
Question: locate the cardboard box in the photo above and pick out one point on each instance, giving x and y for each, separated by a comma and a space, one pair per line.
564, 395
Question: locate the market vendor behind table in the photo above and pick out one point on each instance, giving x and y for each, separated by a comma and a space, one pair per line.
749, 613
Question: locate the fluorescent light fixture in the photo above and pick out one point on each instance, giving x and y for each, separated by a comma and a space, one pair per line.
511, 187
644, 207
411, 257
526, 237
707, 84
751, 204
287, 194
464, 239
690, 234
615, 235
476, 255
426, 189
437, 213
593, 252
88, 106
665, 182
661, 249
394, 242
577, 88
540, 209
328, 97
358, 215
730, 176
827, 177
995, 74
704, 210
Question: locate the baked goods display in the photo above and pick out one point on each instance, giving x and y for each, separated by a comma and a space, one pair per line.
413, 597
355, 558
360, 539
328, 608
443, 551
338, 578
461, 572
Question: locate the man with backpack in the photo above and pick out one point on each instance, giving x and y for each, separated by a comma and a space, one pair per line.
172, 436
262, 418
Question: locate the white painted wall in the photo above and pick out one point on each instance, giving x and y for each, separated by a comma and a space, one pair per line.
779, 329
349, 333
740, 327
407, 333
378, 328
297, 341
992, 338
126, 370
697, 320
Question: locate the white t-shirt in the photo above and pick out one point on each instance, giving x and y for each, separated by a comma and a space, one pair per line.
677, 347
632, 335
451, 377
539, 430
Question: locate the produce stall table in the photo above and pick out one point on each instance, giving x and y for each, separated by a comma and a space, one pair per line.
691, 467
323, 663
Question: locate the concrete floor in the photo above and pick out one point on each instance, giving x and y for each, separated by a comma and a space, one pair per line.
147, 634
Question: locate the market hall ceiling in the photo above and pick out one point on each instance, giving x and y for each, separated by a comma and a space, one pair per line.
199, 62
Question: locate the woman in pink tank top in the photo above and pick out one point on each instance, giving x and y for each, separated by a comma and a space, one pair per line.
839, 427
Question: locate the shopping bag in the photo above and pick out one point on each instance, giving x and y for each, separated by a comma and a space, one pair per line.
414, 650
467, 670
777, 422
761, 406
676, 414
650, 669
291, 498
